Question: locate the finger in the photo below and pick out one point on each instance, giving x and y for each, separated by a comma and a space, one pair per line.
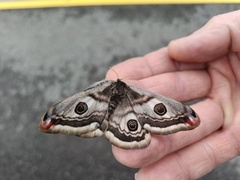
160, 146
193, 161
182, 86
152, 64
219, 36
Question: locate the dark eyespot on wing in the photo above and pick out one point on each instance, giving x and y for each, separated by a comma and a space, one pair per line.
81, 108
160, 109
132, 125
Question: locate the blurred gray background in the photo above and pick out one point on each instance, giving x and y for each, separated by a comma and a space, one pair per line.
49, 54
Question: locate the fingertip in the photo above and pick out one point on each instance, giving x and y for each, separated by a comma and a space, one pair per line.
186, 49
175, 49
136, 158
207, 44
133, 158
127, 156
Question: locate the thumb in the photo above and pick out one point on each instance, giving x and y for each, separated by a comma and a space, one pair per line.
214, 40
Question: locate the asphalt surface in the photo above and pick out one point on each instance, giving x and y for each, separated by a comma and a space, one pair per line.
48, 54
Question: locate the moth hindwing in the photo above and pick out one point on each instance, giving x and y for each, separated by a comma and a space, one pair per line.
124, 113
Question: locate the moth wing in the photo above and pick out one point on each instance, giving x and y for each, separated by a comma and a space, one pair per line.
142, 113
163, 115
82, 114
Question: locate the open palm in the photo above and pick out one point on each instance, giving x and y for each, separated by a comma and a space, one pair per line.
206, 66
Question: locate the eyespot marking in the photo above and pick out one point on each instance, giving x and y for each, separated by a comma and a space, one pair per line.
160, 109
81, 108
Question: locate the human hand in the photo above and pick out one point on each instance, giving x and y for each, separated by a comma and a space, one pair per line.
205, 65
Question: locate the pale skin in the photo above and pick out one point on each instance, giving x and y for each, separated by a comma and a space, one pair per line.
205, 64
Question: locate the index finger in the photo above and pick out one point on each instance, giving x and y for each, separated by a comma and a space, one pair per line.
152, 64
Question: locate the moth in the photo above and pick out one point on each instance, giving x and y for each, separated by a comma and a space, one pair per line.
127, 115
